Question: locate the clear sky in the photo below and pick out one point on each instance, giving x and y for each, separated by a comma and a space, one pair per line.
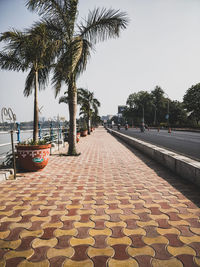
160, 47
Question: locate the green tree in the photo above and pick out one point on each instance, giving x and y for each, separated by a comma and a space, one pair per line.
191, 101
31, 50
77, 41
159, 104
178, 116
89, 105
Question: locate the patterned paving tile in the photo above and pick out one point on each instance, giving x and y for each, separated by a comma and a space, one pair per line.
111, 207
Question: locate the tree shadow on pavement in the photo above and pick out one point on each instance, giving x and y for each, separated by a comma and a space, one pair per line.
188, 189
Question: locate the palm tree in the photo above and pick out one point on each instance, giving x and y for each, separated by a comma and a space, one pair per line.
89, 105
29, 50
77, 41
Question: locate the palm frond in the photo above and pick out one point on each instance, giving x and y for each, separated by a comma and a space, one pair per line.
64, 99
103, 24
30, 82
9, 61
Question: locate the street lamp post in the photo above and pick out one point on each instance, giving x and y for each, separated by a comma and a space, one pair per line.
167, 116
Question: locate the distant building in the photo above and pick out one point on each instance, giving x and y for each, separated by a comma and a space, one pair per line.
106, 118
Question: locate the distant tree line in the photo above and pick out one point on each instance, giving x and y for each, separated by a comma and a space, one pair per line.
157, 109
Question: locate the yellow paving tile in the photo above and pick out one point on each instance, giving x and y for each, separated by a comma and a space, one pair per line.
86, 212
129, 217
53, 207
189, 239
155, 240
2, 207
26, 207
55, 225
26, 263
187, 216
197, 261
57, 212
125, 197
112, 201
6, 213
14, 219
124, 206
70, 218
108, 251
167, 263
137, 231
15, 254
44, 202
60, 232
84, 224
122, 263
36, 233
158, 217
74, 207
4, 234
88, 202
125, 240
181, 250
115, 224
23, 225
148, 223
71, 263
100, 217
169, 210
40, 219
30, 212
163, 231
151, 205
137, 211
180, 222
53, 252
195, 230
106, 231
100, 207
37, 242
2, 263
10, 244
16, 203
108, 211
141, 251
82, 241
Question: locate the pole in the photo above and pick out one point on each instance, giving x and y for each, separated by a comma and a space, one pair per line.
13, 152
18, 132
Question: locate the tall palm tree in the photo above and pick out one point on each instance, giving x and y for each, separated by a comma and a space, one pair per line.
89, 105
29, 50
77, 42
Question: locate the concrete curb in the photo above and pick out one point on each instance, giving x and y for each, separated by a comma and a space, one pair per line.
187, 168
5, 174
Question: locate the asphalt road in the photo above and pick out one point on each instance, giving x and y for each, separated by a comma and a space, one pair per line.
185, 143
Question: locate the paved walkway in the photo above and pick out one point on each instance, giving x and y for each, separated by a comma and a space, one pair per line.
108, 207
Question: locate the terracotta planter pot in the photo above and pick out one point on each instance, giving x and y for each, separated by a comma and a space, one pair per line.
84, 133
78, 137
33, 158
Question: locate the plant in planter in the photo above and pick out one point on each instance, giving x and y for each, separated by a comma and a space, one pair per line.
31, 50
33, 156
84, 131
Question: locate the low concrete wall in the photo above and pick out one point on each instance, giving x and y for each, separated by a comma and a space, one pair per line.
185, 167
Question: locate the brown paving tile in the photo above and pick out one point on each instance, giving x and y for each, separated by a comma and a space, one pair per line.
117, 232
143, 260
48, 233
80, 253
163, 223
26, 243
40, 254
57, 261
100, 261
187, 260
82, 232
100, 224
196, 247
63, 241
120, 252
161, 252
100, 241
137, 241
174, 240
14, 234
13, 261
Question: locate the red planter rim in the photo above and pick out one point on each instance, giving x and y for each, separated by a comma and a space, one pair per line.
33, 147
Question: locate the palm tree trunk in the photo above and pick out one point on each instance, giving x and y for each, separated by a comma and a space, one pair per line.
72, 93
88, 123
36, 119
